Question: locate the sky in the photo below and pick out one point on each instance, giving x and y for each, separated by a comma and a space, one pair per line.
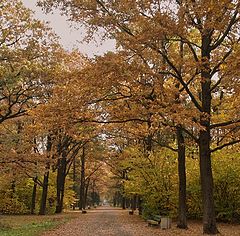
70, 37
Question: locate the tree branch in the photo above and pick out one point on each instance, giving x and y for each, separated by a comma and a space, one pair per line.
225, 145
226, 123
231, 23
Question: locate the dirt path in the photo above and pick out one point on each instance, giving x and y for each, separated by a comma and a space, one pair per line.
107, 221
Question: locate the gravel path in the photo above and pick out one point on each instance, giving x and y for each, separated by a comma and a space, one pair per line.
107, 221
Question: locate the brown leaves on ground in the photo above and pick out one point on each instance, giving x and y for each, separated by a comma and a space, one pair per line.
106, 221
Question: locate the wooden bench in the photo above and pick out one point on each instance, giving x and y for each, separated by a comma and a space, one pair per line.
154, 220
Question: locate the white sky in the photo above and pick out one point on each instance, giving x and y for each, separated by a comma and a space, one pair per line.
70, 36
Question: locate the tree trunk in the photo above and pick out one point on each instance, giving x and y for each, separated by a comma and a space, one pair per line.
182, 206
123, 202
86, 192
134, 202
34, 194
140, 209
82, 185
43, 203
74, 181
127, 202
123, 191
61, 174
209, 218
115, 200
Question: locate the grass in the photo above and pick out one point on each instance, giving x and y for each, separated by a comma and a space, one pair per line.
29, 225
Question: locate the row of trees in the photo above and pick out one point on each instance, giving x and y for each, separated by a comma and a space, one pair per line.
41, 89
190, 52
173, 84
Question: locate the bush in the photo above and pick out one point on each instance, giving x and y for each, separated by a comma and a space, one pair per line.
12, 206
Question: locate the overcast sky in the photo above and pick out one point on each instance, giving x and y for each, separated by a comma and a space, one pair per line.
70, 37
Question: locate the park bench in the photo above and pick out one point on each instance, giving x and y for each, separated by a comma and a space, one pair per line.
154, 220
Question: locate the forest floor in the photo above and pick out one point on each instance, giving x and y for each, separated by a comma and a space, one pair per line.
107, 221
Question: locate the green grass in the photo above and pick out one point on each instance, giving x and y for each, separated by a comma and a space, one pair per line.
30, 225
28, 230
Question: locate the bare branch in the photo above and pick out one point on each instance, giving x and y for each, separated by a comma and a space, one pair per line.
225, 145
231, 23
226, 123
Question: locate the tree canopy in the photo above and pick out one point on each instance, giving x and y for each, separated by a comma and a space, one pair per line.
143, 116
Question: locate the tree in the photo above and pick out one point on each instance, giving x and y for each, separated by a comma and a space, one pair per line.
27, 51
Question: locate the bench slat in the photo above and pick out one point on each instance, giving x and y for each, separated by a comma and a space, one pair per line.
154, 220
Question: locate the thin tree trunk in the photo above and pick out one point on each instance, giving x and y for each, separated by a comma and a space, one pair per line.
123, 202
59, 182
82, 185
140, 205
94, 200
34, 194
123, 191
43, 203
127, 202
115, 200
62, 196
86, 192
61, 174
134, 202
182, 206
74, 181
